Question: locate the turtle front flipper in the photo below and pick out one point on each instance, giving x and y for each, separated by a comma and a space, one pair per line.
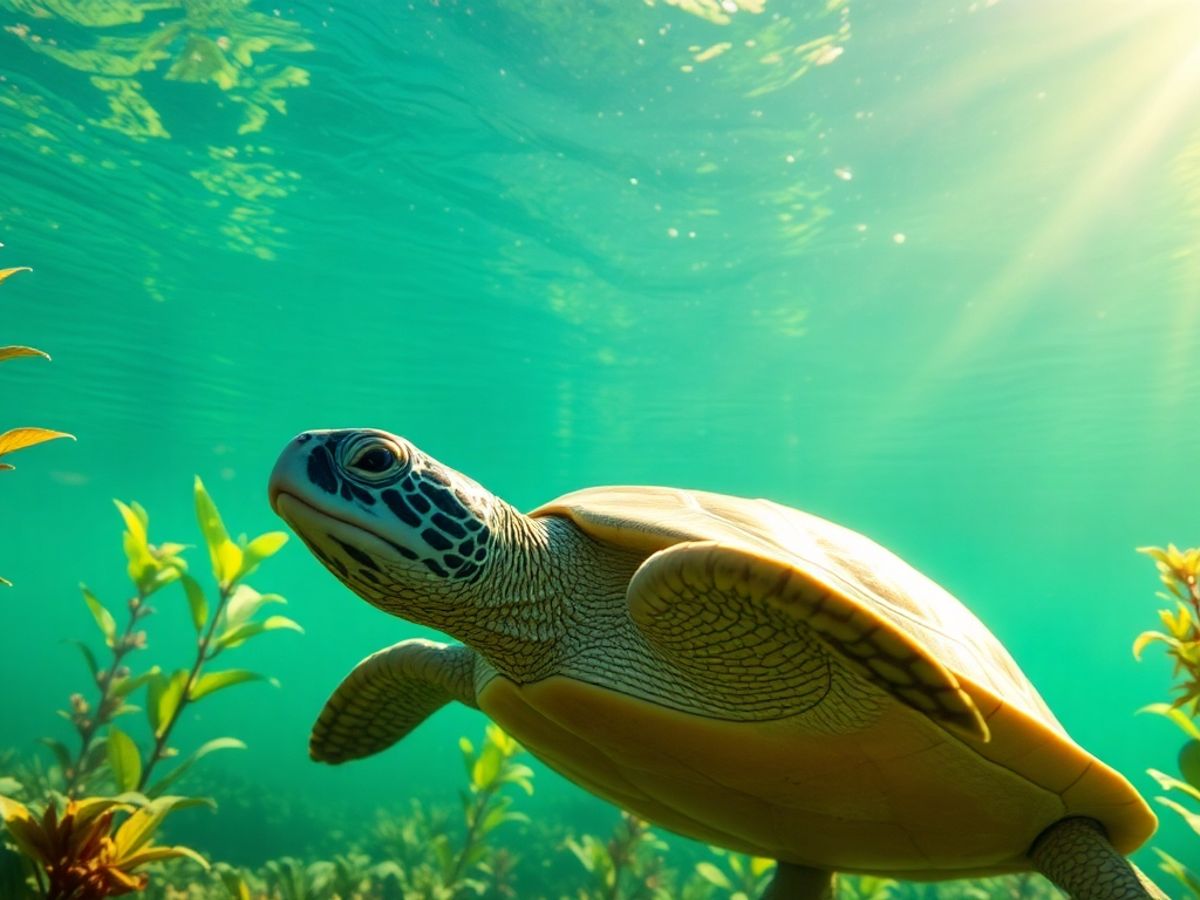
733, 620
389, 694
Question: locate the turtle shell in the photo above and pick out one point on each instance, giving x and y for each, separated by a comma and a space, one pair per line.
1025, 737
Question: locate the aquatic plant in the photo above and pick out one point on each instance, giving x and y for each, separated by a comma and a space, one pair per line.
152, 567
1179, 571
736, 877
628, 866
79, 855
21, 438
436, 866
91, 846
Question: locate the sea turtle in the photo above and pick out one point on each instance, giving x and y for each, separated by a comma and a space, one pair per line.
733, 670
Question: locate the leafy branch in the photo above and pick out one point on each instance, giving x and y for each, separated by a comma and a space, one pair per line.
85, 845
1179, 571
629, 866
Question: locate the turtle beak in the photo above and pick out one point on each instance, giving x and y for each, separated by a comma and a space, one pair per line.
290, 473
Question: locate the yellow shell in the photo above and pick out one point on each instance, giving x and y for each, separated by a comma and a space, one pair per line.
902, 796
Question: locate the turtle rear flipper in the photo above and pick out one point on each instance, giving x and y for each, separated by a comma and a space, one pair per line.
389, 694
737, 621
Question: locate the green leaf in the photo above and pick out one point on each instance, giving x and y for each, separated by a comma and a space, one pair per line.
88, 657
1146, 638
225, 743
143, 567
497, 816
163, 694
9, 786
520, 775
1189, 763
104, 619
197, 602
226, 556
124, 759
760, 865
486, 768
133, 522
243, 633
138, 830
212, 682
17, 352
244, 602
713, 875
123, 687
1176, 715
262, 547
1179, 872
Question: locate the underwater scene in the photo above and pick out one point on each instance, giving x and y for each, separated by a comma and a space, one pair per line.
316, 318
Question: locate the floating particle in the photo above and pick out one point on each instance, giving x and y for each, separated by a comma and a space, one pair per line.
633, 181
672, 232
843, 173
789, 158
860, 227
899, 237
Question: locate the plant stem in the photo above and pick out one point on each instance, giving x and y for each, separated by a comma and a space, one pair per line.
476, 817
121, 646
202, 645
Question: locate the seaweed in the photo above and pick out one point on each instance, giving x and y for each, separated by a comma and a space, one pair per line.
21, 438
78, 842
1179, 571
628, 866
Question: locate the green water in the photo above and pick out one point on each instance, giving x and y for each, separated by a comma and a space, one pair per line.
927, 269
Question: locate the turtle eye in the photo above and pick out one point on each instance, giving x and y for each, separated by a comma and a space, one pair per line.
378, 459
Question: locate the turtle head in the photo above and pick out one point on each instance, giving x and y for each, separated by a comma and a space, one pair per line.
396, 526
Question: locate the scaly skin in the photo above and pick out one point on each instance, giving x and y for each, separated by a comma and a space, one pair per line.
531, 596
1075, 854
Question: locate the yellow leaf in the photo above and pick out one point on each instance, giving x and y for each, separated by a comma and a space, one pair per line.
25, 830
760, 865
9, 273
16, 351
486, 768
20, 438
226, 556
1145, 639
713, 875
133, 522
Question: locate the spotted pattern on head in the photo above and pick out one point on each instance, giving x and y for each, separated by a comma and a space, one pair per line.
454, 542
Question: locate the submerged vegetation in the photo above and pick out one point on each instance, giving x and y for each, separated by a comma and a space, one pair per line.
85, 826
1179, 571
15, 439
89, 823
